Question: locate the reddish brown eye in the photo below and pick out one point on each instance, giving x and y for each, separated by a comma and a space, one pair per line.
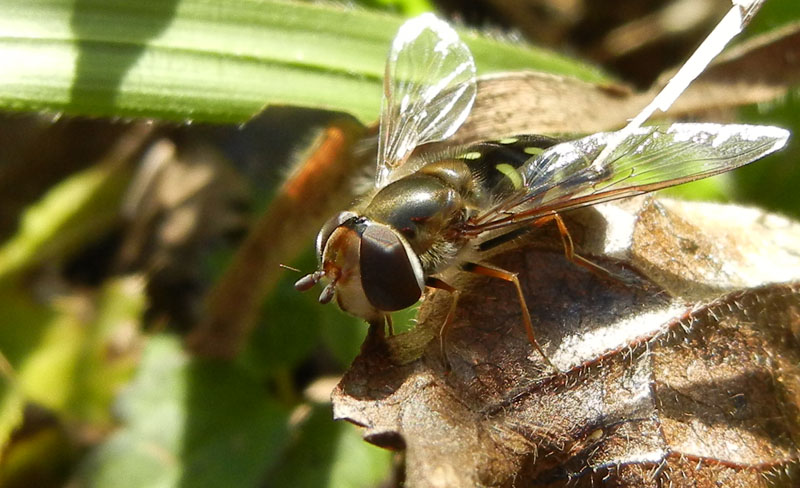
328, 228
391, 278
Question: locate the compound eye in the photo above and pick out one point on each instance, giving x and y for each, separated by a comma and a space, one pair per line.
328, 228
391, 276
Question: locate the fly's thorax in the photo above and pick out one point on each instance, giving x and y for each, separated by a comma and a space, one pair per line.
372, 268
424, 208
455, 173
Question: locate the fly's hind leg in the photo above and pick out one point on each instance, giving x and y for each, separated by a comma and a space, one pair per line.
569, 247
495, 272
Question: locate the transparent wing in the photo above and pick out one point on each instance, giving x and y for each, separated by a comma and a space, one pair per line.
566, 175
428, 90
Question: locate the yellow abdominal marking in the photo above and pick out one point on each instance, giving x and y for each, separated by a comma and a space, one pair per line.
470, 155
508, 140
533, 151
511, 173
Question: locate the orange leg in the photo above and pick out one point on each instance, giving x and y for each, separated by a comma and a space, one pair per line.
569, 246
495, 272
448, 320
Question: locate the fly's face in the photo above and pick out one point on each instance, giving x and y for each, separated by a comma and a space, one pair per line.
370, 268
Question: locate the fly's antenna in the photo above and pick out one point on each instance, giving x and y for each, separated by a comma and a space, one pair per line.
327, 293
308, 281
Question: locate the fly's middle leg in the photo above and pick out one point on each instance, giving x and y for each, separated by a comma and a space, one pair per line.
569, 247
495, 272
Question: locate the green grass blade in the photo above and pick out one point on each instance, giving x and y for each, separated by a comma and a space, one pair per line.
210, 61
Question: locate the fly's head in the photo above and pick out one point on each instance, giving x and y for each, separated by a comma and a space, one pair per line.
368, 267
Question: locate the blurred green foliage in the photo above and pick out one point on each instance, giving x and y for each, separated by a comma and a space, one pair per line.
773, 183
187, 422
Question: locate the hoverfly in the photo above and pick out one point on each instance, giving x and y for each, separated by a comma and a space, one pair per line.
425, 212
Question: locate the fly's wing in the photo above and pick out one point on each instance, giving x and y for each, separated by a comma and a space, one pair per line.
428, 90
567, 176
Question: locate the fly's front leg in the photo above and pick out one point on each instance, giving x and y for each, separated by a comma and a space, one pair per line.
376, 333
389, 324
495, 272
448, 320
569, 247
378, 328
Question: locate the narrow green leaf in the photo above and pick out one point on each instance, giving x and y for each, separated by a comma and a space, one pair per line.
407, 7
73, 212
210, 61
12, 401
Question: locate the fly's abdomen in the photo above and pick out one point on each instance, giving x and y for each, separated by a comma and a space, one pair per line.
495, 165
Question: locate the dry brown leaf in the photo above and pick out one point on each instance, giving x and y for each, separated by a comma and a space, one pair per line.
685, 374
